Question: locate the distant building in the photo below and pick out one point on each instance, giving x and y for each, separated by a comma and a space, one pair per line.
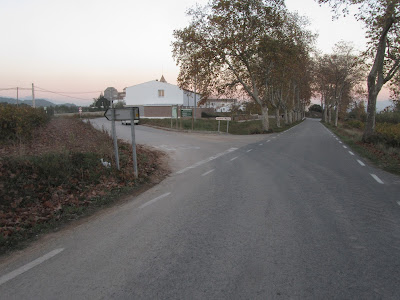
220, 105
155, 98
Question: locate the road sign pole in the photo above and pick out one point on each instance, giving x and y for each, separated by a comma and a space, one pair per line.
135, 170
227, 126
192, 120
219, 123
114, 134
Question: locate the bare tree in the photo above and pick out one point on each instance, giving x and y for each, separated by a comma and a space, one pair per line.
381, 18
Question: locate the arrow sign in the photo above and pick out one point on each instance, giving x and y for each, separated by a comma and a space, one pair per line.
121, 114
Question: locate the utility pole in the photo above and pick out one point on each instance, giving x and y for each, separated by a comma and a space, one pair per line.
17, 97
33, 96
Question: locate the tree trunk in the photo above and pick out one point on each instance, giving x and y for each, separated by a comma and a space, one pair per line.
329, 115
337, 115
324, 114
278, 118
371, 112
265, 120
286, 116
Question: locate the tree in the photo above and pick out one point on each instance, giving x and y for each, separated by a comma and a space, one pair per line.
231, 46
381, 18
316, 108
101, 102
337, 75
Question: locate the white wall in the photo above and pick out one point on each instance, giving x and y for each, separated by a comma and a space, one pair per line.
188, 98
147, 94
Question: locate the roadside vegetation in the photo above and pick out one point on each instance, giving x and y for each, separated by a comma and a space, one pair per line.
382, 148
211, 125
51, 172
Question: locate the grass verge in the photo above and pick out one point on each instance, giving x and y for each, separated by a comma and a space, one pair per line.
380, 155
211, 125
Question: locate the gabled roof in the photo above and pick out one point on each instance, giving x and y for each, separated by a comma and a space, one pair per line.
163, 79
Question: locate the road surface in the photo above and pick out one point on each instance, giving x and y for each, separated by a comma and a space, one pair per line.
295, 215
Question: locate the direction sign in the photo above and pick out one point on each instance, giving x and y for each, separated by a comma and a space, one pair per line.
122, 113
186, 112
223, 118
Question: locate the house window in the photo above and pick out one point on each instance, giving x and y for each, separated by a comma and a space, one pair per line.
160, 93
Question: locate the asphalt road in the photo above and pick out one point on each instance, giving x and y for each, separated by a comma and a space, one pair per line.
293, 215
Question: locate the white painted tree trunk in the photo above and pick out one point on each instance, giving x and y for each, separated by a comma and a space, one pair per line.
278, 118
265, 120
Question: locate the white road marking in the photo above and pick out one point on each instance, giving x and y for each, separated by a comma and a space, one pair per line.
202, 162
340, 142
351, 153
268, 141
154, 200
233, 158
208, 172
377, 178
398, 202
361, 163
344, 147
260, 144
27, 267
249, 150
274, 137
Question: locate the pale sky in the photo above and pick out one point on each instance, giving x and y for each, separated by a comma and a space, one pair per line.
88, 45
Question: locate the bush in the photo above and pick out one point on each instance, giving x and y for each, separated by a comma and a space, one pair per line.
19, 122
390, 133
388, 117
354, 124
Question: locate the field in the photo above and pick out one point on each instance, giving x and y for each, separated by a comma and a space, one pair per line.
55, 175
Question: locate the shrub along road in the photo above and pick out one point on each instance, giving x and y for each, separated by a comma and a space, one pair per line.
295, 215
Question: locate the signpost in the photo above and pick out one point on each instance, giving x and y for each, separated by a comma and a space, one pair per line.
219, 119
119, 114
186, 112
174, 114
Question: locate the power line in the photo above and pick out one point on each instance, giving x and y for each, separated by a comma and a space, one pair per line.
92, 92
64, 95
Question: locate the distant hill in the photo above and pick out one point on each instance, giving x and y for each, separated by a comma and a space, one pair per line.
38, 102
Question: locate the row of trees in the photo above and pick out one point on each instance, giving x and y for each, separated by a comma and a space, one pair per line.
260, 49
251, 47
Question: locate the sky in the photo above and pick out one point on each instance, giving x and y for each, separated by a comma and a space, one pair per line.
79, 48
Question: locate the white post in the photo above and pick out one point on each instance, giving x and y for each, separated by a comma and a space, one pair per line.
114, 134
33, 96
135, 170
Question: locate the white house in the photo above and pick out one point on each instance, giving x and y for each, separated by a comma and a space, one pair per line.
159, 93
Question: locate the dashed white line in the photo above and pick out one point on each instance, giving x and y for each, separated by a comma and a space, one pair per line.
27, 267
232, 159
249, 150
377, 178
398, 202
340, 142
208, 172
154, 200
351, 153
268, 141
344, 147
260, 144
202, 162
361, 163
